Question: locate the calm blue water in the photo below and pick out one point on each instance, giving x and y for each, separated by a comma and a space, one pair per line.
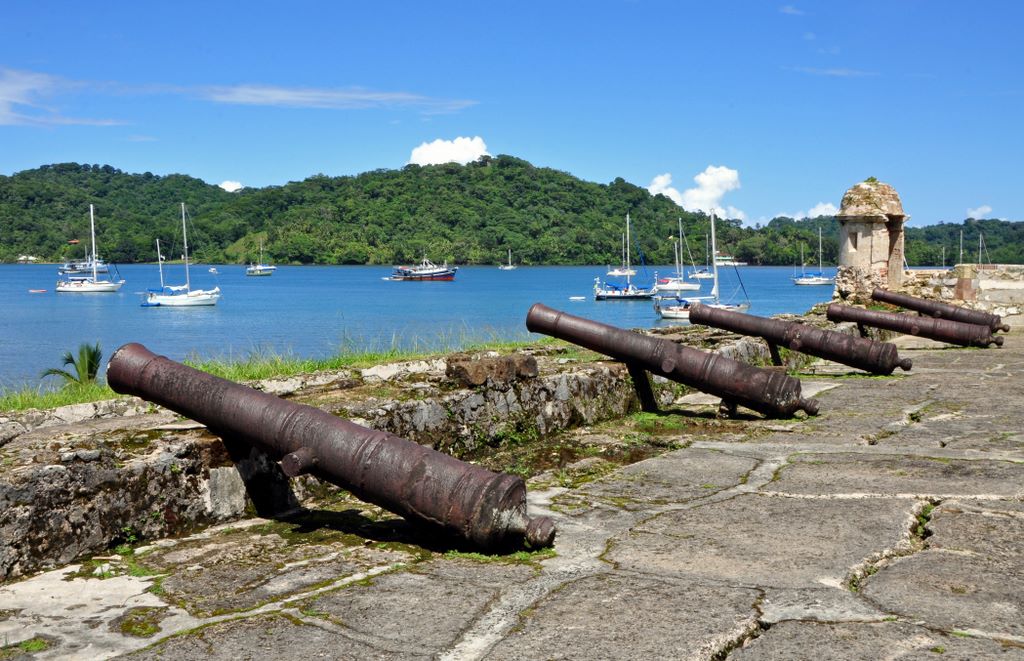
317, 311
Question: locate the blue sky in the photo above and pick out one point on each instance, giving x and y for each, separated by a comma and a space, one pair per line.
755, 108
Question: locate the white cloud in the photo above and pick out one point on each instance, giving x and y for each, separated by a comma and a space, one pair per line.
333, 99
819, 209
980, 212
712, 184
459, 150
834, 72
22, 95
231, 186
791, 10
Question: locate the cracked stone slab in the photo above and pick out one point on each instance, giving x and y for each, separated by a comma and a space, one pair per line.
898, 475
767, 541
968, 579
447, 596
278, 636
678, 476
817, 604
809, 641
597, 618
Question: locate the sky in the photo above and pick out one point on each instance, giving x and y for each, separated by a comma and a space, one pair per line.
753, 108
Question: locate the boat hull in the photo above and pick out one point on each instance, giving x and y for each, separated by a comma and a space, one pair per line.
88, 286
200, 297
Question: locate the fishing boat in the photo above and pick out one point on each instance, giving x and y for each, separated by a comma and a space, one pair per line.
89, 284
510, 266
425, 270
608, 291
677, 282
179, 295
679, 308
260, 268
818, 278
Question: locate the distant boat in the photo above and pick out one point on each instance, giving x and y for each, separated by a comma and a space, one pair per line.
89, 284
260, 268
679, 308
623, 270
612, 292
510, 266
704, 273
179, 295
818, 278
82, 267
213, 270
677, 282
425, 270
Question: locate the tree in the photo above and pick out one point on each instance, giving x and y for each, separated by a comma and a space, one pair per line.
86, 366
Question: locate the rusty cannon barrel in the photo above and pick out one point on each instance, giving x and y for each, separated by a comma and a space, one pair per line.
941, 310
859, 352
942, 330
423, 485
767, 391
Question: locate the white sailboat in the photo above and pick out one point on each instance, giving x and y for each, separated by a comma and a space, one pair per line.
677, 282
818, 278
612, 292
679, 308
510, 266
623, 270
260, 268
89, 284
704, 273
180, 295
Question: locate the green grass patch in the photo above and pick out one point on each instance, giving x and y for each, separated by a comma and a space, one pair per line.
30, 646
516, 558
43, 398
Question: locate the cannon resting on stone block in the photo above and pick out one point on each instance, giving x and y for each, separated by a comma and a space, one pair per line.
423, 485
941, 310
767, 391
859, 352
943, 330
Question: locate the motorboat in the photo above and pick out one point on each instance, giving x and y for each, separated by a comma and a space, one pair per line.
425, 270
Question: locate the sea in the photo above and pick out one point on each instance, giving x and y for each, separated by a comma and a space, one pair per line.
320, 311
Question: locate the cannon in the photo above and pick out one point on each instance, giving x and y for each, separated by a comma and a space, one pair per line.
941, 310
859, 352
943, 330
766, 391
421, 484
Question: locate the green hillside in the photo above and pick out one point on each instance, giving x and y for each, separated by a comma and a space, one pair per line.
466, 214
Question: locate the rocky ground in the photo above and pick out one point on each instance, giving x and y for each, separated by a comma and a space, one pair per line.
889, 526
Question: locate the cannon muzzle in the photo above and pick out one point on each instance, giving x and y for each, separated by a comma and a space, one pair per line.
943, 330
767, 391
941, 310
859, 352
423, 485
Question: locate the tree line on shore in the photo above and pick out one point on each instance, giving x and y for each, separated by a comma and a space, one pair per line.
465, 214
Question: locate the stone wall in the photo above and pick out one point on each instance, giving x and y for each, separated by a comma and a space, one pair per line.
995, 288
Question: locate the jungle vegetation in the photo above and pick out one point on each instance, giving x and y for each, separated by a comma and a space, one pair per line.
466, 214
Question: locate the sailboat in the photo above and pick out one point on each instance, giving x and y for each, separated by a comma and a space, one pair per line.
260, 268
612, 292
678, 281
704, 273
510, 266
89, 284
818, 278
623, 270
179, 295
679, 308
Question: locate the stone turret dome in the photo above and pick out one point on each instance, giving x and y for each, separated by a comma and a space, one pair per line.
871, 199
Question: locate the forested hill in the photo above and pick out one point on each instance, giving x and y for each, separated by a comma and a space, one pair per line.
467, 214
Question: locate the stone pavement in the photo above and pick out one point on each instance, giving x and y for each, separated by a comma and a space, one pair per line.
889, 526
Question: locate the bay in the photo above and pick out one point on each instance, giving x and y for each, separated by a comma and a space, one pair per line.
318, 311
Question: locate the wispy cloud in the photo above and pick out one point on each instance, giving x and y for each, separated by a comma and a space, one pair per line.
790, 10
231, 186
24, 99
979, 212
834, 72
819, 209
327, 98
141, 138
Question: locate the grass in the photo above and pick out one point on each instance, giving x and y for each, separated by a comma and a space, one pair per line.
260, 364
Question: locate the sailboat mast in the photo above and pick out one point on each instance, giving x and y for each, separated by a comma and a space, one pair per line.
714, 262
961, 247
627, 250
160, 263
92, 238
819, 250
184, 240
